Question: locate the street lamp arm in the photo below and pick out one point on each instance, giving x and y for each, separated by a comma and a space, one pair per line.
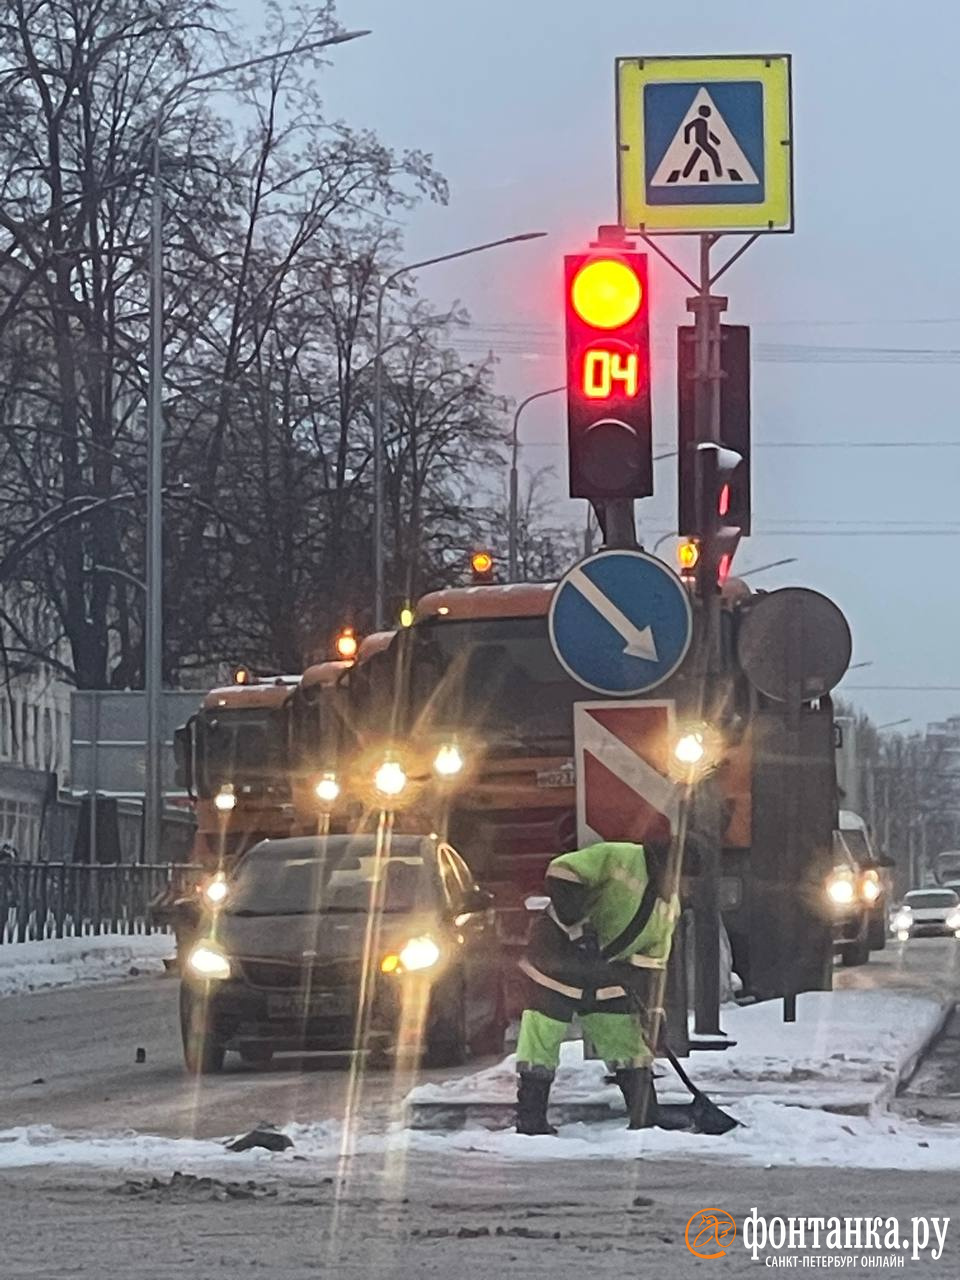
459, 253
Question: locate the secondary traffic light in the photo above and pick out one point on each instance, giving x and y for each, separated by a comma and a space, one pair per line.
481, 568
608, 374
716, 472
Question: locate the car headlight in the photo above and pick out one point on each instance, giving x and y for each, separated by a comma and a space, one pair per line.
840, 889
902, 920
418, 953
448, 761
953, 920
390, 778
327, 789
208, 961
225, 799
215, 890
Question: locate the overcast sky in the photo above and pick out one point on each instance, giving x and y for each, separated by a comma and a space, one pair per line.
514, 99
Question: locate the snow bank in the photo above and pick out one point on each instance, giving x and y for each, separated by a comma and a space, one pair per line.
61, 962
845, 1047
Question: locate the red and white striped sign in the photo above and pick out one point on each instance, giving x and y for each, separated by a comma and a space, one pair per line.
623, 754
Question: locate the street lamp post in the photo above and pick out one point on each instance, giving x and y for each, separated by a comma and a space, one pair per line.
512, 557
378, 450
153, 639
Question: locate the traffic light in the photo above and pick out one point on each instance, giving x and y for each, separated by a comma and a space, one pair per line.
716, 472
481, 568
734, 430
608, 374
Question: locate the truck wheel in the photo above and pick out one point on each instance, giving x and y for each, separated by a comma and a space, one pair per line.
256, 1054
855, 953
203, 1051
490, 1039
877, 933
447, 1032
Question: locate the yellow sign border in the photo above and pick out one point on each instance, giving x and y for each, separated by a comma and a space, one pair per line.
775, 213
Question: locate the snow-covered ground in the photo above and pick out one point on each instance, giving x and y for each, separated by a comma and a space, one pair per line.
62, 962
855, 1041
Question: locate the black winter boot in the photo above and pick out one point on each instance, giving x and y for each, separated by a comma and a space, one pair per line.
533, 1093
640, 1095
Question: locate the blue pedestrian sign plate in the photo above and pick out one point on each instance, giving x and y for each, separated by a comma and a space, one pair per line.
705, 143
620, 622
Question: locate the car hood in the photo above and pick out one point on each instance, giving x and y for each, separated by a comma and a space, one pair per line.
317, 936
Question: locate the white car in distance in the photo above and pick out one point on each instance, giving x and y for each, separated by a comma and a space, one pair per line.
927, 913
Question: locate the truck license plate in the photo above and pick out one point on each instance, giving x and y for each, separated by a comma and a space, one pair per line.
565, 776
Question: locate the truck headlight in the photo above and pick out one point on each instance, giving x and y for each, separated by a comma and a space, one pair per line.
690, 748
390, 778
208, 961
871, 888
327, 789
448, 761
418, 953
225, 799
215, 890
840, 889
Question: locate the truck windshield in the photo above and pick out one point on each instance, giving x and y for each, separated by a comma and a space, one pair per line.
239, 746
496, 677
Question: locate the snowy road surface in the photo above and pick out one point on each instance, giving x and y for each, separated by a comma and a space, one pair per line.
69, 1060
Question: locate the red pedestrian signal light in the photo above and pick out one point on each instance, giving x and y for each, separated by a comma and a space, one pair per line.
608, 374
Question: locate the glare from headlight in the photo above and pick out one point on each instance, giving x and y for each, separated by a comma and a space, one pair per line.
419, 953
327, 789
689, 748
216, 890
225, 799
840, 890
902, 921
207, 961
390, 778
953, 920
448, 760
870, 890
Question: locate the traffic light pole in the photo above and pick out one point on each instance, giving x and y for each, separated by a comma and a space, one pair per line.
707, 310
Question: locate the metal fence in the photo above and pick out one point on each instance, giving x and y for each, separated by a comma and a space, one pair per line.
63, 900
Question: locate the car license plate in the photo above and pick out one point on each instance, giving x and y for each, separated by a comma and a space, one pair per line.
565, 776
305, 1004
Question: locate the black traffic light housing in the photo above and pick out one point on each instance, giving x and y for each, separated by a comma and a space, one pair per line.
606, 305
734, 430
716, 470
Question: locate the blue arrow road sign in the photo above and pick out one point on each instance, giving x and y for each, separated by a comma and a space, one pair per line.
620, 622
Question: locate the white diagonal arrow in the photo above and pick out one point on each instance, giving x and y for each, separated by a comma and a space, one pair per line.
640, 642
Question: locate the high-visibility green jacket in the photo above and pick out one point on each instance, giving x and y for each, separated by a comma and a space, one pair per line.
605, 885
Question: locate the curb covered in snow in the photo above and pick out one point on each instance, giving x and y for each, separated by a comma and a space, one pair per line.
64, 962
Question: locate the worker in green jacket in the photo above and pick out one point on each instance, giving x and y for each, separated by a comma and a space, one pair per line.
599, 950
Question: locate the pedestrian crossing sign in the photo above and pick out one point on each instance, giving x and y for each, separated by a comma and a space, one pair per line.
705, 144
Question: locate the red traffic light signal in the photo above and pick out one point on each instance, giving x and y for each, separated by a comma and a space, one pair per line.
608, 374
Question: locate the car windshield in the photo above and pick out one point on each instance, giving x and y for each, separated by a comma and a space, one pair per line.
495, 676
245, 745
931, 898
343, 877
